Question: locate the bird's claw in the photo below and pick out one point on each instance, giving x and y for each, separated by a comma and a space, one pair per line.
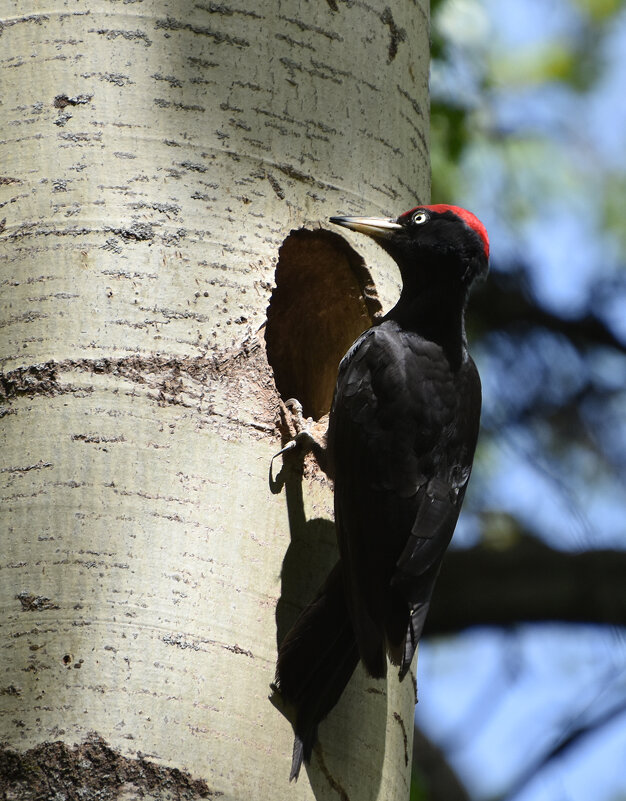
293, 443
297, 416
295, 421
302, 437
299, 425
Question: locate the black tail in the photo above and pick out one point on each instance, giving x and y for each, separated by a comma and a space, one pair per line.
315, 662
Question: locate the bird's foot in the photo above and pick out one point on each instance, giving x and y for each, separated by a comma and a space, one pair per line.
301, 427
295, 425
297, 416
298, 428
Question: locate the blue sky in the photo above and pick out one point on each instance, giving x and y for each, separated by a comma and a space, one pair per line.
509, 697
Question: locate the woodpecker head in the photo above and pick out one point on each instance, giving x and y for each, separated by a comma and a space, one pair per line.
431, 243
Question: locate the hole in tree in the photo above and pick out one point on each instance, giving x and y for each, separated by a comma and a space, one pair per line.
324, 298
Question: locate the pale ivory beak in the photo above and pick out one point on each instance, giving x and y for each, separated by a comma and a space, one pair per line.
378, 227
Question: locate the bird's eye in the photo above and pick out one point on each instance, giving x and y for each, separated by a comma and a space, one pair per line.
420, 217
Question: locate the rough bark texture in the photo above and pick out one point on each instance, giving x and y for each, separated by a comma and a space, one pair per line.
154, 156
92, 770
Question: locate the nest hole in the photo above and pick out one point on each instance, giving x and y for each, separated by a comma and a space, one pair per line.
324, 298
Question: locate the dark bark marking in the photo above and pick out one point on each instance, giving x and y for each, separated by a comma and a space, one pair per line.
116, 78
138, 232
162, 103
61, 101
237, 649
202, 62
283, 37
26, 317
341, 792
307, 124
38, 19
225, 11
129, 35
304, 26
327, 73
171, 24
34, 603
36, 380
381, 141
163, 377
276, 187
396, 34
398, 718
91, 770
359, 79
96, 439
179, 641
416, 106
38, 466
193, 167
172, 80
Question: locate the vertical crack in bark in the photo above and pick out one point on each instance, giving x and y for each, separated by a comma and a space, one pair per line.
341, 791
398, 718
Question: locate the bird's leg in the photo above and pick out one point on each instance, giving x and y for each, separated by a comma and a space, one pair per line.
303, 439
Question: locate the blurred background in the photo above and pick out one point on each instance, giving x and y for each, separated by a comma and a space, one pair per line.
522, 677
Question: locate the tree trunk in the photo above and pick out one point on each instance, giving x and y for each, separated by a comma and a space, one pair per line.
154, 157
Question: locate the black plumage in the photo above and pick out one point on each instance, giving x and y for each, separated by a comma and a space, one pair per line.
400, 444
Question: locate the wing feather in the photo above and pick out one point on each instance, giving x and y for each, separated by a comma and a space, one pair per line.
402, 433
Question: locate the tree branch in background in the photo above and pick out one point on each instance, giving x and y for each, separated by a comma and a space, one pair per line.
504, 303
570, 740
432, 771
527, 582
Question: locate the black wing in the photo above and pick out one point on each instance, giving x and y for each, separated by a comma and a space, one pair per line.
402, 434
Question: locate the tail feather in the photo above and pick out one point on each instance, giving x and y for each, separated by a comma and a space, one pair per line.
417, 595
413, 635
296, 759
315, 662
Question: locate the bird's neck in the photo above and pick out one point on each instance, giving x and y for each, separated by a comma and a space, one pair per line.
435, 313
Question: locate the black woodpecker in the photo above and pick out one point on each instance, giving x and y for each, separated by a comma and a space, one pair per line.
400, 444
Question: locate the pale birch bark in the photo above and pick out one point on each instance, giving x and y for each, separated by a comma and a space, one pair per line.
153, 158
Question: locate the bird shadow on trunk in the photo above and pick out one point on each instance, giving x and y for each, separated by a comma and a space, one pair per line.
349, 755
323, 299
